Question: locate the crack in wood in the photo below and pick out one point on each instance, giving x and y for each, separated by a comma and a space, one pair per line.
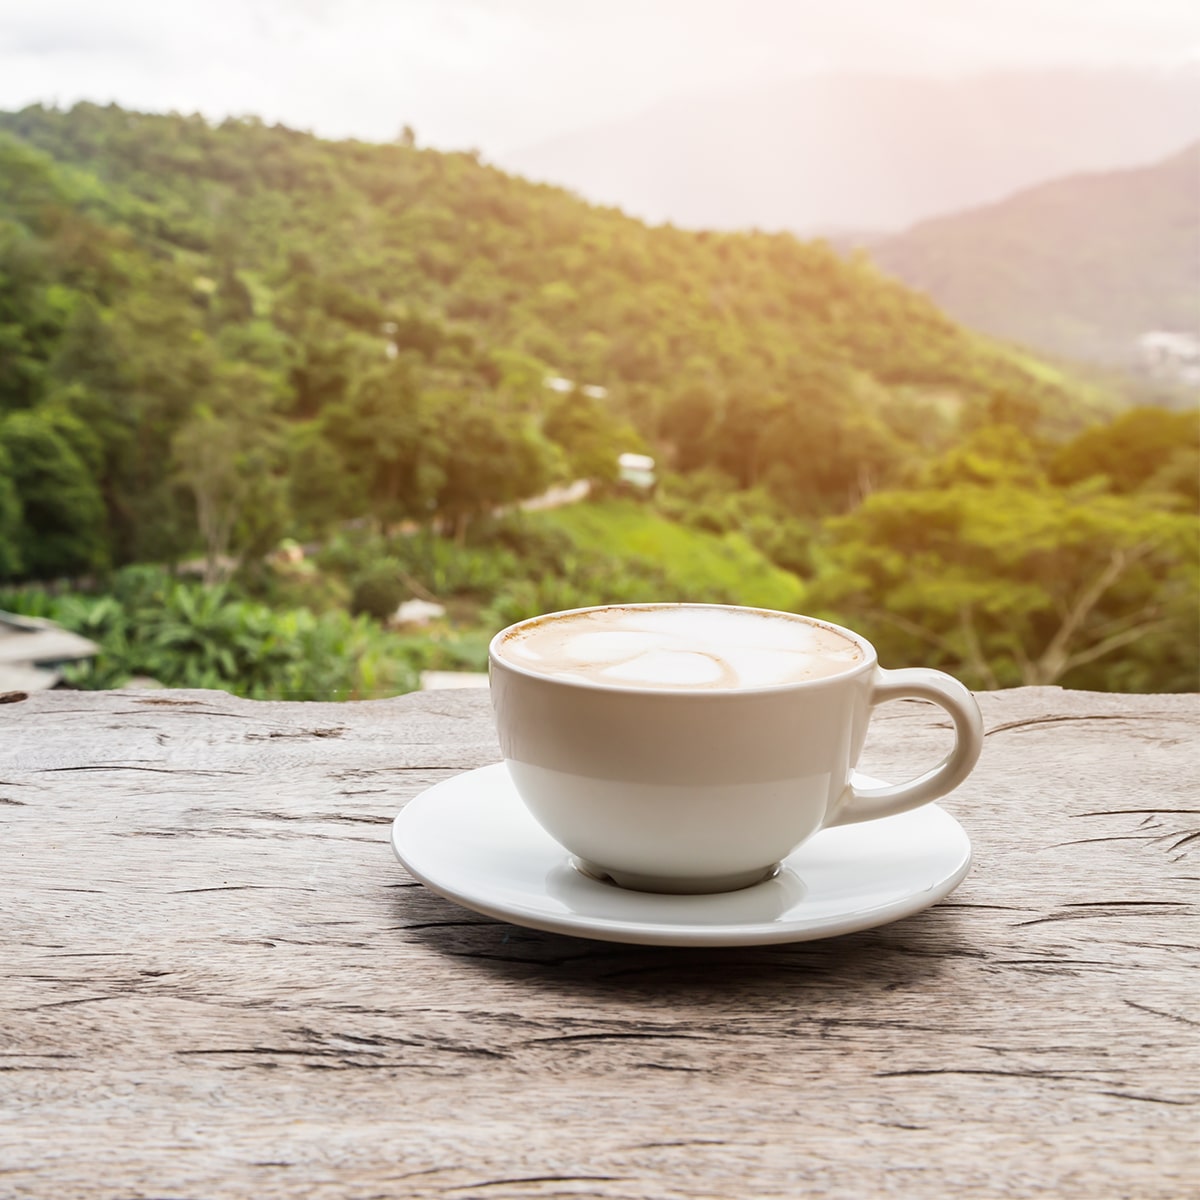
1159, 1013
343, 1053
344, 818
1052, 963
333, 732
560, 960
1124, 908
486, 923
1032, 722
615, 1036
1057, 1076
155, 770
43, 1067
1150, 1099
233, 833
243, 887
682, 1142
523, 1179
64, 1003
1128, 837
36, 1054
1120, 812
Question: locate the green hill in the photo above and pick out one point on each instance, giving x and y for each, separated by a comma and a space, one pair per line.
211, 336
1077, 268
694, 563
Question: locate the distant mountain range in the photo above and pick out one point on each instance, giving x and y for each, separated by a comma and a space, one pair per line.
1077, 268
868, 152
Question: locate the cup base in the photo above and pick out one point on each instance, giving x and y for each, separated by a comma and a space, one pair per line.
675, 885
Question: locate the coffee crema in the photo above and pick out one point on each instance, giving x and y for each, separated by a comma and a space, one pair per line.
685, 648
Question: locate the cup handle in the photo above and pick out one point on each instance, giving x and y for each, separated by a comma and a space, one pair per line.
917, 683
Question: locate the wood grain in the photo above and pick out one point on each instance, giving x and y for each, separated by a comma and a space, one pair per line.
215, 981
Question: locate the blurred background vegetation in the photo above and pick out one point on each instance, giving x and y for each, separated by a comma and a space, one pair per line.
219, 339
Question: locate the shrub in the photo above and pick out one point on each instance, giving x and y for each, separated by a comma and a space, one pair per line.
186, 635
379, 592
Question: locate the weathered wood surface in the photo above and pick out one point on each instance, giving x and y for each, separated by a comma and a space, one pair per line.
216, 981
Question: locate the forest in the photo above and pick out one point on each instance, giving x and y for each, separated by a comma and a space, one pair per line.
221, 342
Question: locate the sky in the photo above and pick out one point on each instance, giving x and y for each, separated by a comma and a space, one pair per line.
496, 75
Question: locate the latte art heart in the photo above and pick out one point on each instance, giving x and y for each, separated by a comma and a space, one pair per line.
685, 648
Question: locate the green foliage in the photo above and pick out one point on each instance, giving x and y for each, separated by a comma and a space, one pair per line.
11, 522
710, 501
187, 635
628, 547
440, 648
386, 435
525, 563
228, 454
62, 519
581, 583
590, 435
379, 592
497, 458
422, 562
1144, 449
1008, 584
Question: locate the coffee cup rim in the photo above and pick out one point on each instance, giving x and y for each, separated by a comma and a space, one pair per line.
869, 660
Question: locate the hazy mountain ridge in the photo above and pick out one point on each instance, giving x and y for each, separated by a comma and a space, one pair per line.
868, 152
1077, 267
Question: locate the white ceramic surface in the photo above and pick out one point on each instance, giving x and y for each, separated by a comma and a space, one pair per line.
705, 789
471, 840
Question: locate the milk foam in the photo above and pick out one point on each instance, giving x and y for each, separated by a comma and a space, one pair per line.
685, 648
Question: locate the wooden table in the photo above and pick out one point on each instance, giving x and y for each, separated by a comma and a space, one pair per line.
217, 982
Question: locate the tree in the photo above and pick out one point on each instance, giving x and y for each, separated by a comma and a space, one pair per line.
169, 367
29, 321
1013, 584
391, 444
590, 434
10, 519
690, 425
31, 189
62, 528
229, 455
1142, 448
992, 454
323, 488
497, 458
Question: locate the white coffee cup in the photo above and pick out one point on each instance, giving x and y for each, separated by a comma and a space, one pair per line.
682, 784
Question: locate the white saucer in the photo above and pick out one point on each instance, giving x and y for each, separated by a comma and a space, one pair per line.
472, 840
